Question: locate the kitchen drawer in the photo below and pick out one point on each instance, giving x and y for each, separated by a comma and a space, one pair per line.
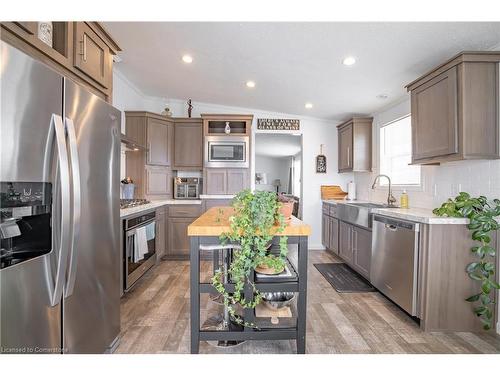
185, 210
326, 209
333, 210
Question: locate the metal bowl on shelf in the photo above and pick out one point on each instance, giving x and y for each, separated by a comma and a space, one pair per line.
278, 300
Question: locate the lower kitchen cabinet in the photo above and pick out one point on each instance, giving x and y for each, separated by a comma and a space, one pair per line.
345, 242
179, 218
355, 247
334, 235
178, 241
161, 230
329, 231
362, 250
325, 230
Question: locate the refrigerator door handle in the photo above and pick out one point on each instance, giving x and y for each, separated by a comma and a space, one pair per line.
56, 287
75, 171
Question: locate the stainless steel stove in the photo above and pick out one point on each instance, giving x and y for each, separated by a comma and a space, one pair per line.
127, 203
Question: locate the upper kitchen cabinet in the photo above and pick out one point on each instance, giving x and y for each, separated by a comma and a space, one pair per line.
159, 136
154, 132
91, 55
455, 110
214, 124
188, 144
355, 145
82, 51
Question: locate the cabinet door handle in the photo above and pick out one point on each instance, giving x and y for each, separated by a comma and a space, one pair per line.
83, 49
348, 157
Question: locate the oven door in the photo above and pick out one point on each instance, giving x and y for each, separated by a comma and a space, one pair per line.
140, 252
221, 152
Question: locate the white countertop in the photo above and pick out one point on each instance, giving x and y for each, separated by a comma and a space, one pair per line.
215, 196
419, 215
125, 212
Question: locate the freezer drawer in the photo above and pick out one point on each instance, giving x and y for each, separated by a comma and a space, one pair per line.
394, 262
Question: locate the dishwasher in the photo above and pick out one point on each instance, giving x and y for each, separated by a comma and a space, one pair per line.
394, 263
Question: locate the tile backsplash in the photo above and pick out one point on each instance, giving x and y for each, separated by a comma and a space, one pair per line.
477, 177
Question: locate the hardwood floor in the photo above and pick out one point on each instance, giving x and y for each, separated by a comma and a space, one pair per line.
155, 319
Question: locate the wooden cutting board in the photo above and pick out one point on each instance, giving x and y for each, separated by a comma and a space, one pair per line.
332, 192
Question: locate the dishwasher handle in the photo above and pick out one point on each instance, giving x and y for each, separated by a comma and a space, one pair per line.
395, 224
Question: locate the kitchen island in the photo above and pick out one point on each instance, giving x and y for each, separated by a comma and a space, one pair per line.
204, 233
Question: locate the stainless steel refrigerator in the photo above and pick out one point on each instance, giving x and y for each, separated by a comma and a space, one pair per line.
59, 224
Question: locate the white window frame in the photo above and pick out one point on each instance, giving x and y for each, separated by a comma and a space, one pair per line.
395, 187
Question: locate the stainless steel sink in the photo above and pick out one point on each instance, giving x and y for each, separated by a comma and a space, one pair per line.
358, 213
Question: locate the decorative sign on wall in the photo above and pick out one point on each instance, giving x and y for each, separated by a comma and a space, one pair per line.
277, 124
321, 161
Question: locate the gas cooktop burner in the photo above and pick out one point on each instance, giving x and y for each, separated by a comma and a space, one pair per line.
127, 203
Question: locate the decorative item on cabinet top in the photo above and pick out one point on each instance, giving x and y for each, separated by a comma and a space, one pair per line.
45, 32
277, 124
190, 107
167, 112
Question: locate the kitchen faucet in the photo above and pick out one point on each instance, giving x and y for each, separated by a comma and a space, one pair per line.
391, 201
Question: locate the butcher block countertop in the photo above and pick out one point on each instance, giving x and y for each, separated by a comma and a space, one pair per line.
215, 222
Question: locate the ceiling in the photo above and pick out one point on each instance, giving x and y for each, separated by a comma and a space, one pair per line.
291, 63
277, 145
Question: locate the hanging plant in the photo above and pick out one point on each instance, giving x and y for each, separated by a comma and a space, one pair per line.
482, 214
255, 222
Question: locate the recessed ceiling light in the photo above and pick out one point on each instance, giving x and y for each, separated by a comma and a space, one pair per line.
187, 59
382, 96
349, 61
251, 84
308, 105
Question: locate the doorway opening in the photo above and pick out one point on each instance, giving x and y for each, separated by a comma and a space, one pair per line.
278, 166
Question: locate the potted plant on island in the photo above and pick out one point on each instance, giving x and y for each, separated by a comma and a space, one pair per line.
286, 208
256, 220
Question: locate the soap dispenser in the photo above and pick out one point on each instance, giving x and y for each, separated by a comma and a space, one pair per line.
404, 199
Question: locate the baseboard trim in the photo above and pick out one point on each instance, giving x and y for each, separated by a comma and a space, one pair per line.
316, 247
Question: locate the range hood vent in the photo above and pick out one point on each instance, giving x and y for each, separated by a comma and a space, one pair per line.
131, 145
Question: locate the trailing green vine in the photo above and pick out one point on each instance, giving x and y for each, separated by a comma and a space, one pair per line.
482, 214
252, 228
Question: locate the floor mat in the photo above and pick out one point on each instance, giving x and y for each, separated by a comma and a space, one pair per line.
343, 278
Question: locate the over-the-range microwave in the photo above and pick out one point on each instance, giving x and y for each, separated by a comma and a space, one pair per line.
226, 152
